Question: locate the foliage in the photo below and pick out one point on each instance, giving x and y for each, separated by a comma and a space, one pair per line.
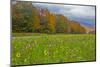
76, 28
28, 18
62, 24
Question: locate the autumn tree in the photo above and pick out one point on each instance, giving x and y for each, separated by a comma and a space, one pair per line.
28, 18
24, 17
61, 24
51, 23
76, 27
35, 21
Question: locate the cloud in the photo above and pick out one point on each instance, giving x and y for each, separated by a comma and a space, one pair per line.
75, 10
82, 11
82, 14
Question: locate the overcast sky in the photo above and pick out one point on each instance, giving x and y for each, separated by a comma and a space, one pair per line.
83, 14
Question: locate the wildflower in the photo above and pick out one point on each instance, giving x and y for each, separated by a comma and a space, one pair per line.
45, 52
25, 60
18, 54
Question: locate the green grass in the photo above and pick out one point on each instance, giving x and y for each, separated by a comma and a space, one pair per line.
46, 48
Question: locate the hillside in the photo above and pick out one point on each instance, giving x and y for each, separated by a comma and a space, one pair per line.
89, 29
28, 18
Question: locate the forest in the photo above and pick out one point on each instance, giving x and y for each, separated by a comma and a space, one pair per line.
28, 18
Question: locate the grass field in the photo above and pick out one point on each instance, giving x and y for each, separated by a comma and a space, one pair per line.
32, 48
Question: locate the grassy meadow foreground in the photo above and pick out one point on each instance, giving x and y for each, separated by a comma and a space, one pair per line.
31, 48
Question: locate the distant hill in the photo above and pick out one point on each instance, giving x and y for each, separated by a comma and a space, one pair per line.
89, 29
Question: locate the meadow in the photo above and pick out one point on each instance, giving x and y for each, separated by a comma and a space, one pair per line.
36, 48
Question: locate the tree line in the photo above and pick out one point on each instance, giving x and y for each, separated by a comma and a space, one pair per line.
28, 18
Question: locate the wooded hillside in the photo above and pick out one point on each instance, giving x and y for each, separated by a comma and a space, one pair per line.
28, 18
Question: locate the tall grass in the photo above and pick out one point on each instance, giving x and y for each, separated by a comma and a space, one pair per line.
46, 48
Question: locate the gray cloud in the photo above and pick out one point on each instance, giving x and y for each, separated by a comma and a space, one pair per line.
82, 14
74, 10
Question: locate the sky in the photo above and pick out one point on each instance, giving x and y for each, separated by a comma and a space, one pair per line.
85, 15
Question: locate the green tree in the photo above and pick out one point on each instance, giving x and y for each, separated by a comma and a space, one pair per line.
24, 17
61, 24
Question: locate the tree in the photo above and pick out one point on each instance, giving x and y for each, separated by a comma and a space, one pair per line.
51, 23
24, 17
61, 24
27, 18
76, 28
